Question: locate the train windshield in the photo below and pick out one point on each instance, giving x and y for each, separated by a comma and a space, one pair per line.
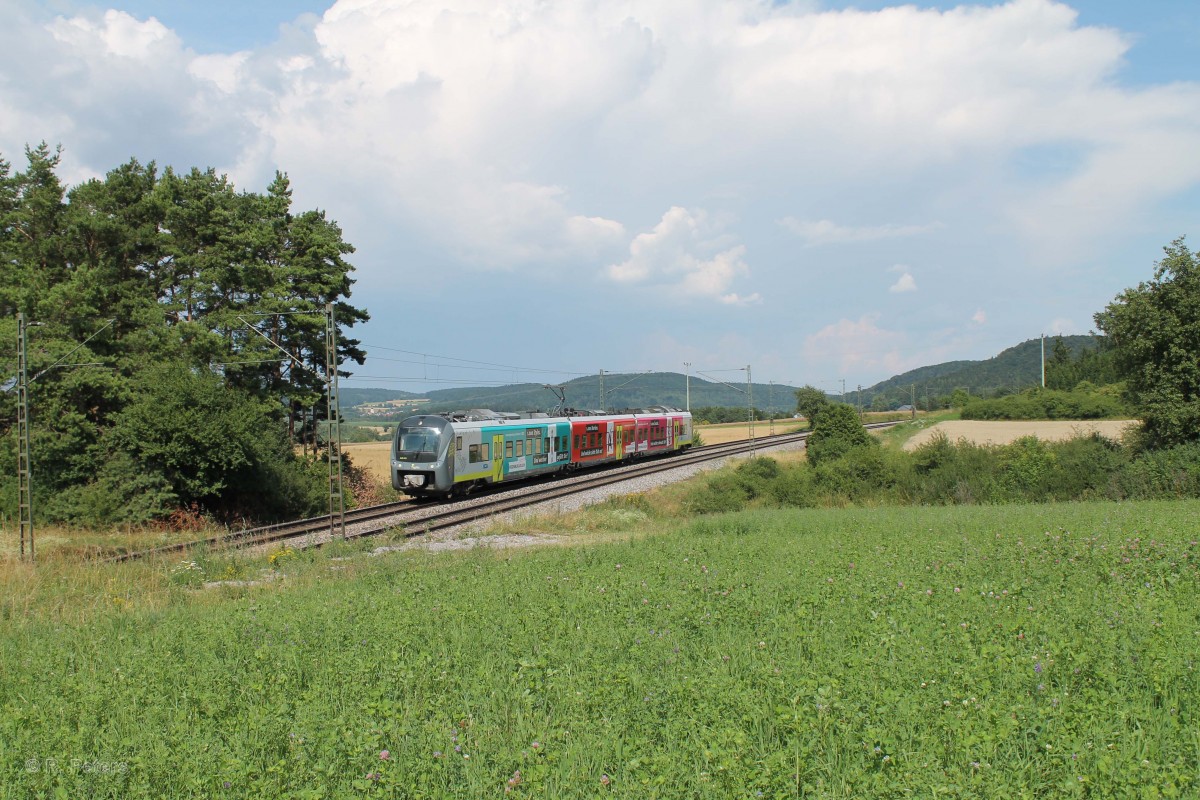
417, 443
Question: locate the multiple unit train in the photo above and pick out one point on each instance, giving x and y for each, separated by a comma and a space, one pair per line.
444, 455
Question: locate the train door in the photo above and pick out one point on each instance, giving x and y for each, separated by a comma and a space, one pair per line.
497, 457
608, 439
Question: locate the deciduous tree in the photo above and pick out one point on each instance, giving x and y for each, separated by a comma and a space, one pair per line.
1154, 333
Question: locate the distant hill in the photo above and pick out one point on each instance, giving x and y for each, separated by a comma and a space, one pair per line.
1016, 368
351, 397
621, 391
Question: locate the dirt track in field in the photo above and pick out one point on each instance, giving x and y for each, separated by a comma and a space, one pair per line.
1005, 432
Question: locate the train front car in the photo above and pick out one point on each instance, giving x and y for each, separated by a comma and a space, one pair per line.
422, 461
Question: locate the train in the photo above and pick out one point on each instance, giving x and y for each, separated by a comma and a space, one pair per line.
448, 455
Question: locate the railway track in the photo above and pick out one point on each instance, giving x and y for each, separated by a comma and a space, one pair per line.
425, 517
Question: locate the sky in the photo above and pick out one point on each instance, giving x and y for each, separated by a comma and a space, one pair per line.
822, 191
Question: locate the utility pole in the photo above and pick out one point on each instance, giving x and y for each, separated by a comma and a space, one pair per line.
750, 400
843, 397
771, 404
1043, 361
333, 407
687, 384
912, 394
858, 396
601, 391
24, 468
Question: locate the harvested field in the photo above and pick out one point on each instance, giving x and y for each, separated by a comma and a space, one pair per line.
374, 457
1003, 432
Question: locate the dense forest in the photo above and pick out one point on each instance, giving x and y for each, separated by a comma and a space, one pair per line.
176, 341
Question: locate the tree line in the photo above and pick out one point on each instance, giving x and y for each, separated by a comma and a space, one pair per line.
200, 309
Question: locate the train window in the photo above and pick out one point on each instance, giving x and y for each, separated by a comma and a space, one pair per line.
485, 452
520, 448
577, 441
458, 443
508, 449
473, 454
538, 443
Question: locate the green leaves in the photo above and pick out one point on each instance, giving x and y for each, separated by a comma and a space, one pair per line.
1154, 331
836, 432
178, 262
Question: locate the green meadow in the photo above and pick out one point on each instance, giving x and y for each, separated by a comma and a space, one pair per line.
985, 651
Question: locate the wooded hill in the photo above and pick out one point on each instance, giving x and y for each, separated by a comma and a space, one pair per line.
1016, 368
1013, 369
621, 390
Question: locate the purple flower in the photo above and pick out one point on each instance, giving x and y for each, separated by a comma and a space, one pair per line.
1038, 668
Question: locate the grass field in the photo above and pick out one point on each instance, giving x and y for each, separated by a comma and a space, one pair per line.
1022, 651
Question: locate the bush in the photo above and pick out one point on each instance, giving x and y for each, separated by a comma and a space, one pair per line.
861, 473
716, 495
1161, 474
1084, 402
838, 430
210, 445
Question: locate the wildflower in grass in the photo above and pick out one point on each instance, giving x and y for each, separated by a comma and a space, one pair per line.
226, 785
458, 748
1037, 667
536, 745
605, 780
513, 782
437, 753
957, 590
384, 755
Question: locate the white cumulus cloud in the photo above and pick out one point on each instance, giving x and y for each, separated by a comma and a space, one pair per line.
906, 283
686, 252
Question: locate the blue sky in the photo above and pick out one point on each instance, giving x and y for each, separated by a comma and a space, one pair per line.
825, 191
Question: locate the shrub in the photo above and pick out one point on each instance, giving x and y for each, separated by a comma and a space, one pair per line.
861, 473
1161, 474
716, 495
1084, 402
838, 430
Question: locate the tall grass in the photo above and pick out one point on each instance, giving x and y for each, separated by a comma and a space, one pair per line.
1034, 651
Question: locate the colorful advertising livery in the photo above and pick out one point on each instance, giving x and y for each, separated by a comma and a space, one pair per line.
455, 453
